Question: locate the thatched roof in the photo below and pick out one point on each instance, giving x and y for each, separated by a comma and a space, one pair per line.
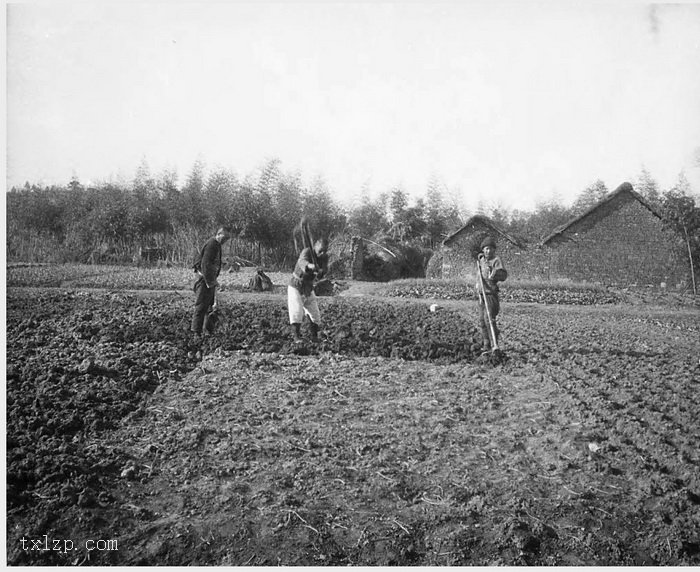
624, 188
482, 220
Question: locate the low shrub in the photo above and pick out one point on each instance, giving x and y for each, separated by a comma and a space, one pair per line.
515, 291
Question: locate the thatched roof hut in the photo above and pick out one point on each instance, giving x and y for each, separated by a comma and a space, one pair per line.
623, 193
458, 253
621, 240
480, 225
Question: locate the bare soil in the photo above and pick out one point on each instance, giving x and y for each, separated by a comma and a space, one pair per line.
388, 443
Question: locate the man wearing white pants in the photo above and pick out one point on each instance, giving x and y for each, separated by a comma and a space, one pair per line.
301, 299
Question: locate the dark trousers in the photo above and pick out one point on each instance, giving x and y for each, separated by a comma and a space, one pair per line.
494, 307
204, 300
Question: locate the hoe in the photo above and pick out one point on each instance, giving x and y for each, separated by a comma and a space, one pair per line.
213, 316
308, 239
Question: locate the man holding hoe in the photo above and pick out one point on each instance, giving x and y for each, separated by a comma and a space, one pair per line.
207, 266
301, 298
490, 271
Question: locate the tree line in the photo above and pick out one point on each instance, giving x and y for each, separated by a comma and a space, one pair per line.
112, 221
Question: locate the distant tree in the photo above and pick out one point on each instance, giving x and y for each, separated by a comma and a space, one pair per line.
324, 214
192, 211
112, 220
288, 204
148, 208
156, 219
435, 214
39, 209
368, 217
410, 225
500, 214
518, 223
398, 202
647, 186
255, 218
80, 227
413, 222
680, 213
589, 197
270, 175
166, 185
144, 184
170, 196
535, 226
219, 197
74, 185
682, 186
453, 212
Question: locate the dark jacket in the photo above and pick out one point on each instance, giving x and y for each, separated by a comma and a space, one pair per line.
303, 278
210, 261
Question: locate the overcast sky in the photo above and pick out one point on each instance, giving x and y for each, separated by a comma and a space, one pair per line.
509, 103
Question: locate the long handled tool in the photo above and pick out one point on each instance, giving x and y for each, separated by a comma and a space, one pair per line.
492, 333
212, 318
308, 240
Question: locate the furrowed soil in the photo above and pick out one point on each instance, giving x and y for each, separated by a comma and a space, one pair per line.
388, 443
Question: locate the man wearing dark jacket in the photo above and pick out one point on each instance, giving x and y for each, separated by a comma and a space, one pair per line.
208, 267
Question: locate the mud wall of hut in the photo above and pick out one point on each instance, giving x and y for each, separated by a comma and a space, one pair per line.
520, 262
455, 261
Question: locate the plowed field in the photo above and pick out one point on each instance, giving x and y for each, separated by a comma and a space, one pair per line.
388, 443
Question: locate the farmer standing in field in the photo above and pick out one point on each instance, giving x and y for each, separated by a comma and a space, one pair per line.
301, 298
207, 266
492, 271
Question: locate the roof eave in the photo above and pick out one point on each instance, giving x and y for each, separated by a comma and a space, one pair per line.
488, 222
624, 187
